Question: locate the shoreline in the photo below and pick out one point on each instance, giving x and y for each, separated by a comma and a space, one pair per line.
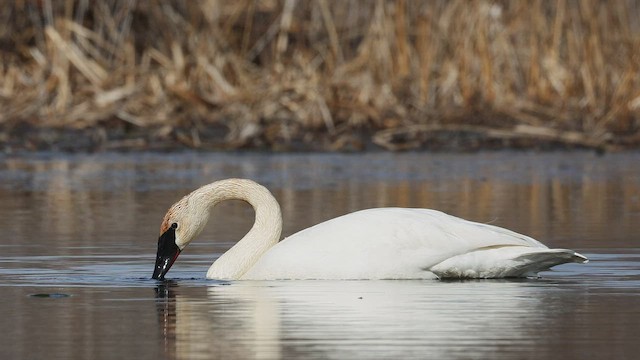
463, 138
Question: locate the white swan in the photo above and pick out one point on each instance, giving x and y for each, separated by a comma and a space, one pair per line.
382, 243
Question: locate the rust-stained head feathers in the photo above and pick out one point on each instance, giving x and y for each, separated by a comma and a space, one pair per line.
181, 224
173, 213
190, 217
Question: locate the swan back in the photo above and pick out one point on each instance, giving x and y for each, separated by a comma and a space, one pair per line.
381, 243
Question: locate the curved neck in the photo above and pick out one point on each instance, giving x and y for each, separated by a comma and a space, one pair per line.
264, 233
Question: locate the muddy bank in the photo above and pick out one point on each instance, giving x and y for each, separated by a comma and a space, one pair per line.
462, 138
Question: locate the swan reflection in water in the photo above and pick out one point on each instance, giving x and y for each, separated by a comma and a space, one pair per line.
219, 321
358, 319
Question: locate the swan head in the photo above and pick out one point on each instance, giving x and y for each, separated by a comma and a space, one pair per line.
183, 222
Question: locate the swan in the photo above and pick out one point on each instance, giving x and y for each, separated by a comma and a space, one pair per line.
378, 243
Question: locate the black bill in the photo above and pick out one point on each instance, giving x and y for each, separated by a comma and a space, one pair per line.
167, 254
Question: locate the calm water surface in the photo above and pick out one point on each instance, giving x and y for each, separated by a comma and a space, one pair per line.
79, 235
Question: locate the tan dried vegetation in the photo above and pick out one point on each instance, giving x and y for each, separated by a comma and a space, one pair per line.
323, 74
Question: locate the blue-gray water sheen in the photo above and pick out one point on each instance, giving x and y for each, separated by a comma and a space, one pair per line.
79, 234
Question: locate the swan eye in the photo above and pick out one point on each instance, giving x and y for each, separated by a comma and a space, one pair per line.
174, 225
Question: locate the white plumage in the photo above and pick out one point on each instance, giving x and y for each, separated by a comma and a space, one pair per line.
400, 243
382, 243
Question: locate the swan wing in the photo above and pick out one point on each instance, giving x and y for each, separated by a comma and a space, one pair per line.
384, 243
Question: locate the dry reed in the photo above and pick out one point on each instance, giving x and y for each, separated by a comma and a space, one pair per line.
322, 74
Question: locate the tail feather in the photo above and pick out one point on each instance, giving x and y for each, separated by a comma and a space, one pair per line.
532, 263
506, 261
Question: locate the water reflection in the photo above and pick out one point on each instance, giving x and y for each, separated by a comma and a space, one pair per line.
575, 200
166, 305
369, 319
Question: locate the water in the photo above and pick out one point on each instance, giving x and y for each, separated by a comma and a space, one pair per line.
79, 235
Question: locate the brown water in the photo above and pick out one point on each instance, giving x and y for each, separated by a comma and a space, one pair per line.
79, 235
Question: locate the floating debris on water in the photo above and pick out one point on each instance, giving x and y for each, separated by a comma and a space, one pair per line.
51, 295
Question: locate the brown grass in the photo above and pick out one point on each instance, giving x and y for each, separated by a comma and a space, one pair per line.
328, 74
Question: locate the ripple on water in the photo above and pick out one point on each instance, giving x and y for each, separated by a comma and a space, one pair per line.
604, 271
